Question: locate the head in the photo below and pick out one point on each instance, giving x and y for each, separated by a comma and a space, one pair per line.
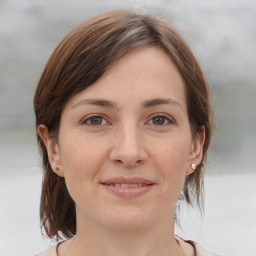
80, 60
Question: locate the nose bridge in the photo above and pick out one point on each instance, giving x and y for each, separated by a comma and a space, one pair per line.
129, 137
128, 147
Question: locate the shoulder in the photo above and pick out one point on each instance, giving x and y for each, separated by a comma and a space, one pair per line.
197, 250
200, 251
52, 251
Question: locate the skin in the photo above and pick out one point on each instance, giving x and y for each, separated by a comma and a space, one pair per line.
126, 140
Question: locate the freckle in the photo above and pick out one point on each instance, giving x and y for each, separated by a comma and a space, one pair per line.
76, 150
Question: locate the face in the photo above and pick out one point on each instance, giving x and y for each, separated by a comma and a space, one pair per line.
125, 144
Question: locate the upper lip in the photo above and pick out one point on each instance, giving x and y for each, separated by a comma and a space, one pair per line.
124, 180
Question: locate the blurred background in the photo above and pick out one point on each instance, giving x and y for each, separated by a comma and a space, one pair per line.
221, 33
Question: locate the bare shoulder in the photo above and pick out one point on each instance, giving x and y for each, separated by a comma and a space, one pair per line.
52, 251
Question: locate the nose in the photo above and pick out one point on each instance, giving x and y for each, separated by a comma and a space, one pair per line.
128, 148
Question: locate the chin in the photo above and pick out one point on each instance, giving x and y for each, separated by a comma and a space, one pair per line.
129, 220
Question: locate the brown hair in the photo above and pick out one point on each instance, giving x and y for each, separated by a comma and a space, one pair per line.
79, 60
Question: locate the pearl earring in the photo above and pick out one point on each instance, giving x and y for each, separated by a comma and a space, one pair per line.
193, 166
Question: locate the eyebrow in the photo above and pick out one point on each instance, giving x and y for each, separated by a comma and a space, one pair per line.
97, 102
160, 101
111, 104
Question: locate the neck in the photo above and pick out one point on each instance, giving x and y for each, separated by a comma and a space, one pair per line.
158, 239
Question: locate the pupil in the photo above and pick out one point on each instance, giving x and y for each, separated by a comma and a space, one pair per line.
96, 120
158, 120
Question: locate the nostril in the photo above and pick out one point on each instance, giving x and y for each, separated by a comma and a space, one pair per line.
132, 163
127, 163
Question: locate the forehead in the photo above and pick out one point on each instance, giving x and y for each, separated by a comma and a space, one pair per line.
143, 74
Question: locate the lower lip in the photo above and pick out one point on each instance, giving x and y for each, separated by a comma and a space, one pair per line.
128, 192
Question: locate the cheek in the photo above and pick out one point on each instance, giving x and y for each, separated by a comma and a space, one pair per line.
81, 162
80, 153
173, 154
171, 161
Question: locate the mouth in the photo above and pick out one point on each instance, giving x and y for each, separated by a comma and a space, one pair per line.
124, 185
128, 187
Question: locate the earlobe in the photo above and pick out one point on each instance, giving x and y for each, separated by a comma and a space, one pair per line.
52, 150
196, 151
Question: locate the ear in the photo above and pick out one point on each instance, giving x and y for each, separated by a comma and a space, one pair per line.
52, 150
196, 151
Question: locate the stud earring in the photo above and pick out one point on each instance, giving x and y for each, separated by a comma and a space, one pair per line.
57, 169
193, 166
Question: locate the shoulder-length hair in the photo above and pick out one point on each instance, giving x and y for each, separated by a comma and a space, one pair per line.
78, 61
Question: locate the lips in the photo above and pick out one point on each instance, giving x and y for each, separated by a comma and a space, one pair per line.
123, 180
128, 187
125, 185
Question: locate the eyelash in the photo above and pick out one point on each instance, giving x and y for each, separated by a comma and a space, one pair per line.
166, 119
91, 117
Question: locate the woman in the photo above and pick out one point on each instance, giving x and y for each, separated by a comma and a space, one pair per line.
124, 123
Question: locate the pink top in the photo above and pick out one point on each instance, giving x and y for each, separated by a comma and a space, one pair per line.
199, 251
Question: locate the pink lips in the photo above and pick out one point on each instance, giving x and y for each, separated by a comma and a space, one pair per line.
128, 187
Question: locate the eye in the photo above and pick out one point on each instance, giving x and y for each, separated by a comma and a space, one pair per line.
94, 120
161, 120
